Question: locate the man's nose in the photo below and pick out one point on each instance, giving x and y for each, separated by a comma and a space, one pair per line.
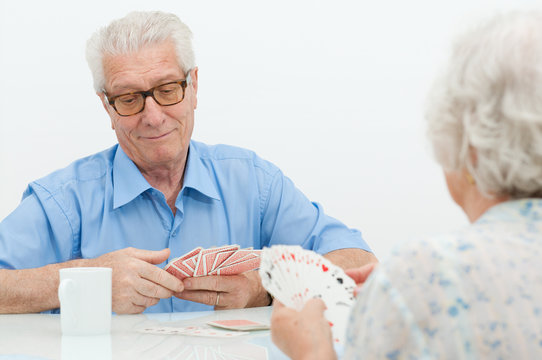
152, 113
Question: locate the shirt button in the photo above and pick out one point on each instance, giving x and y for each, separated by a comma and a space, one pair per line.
173, 234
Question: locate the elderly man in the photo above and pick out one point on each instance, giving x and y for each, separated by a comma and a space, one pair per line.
157, 194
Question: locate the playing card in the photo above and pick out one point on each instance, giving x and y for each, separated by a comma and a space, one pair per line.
186, 262
207, 257
210, 332
294, 275
241, 324
181, 266
241, 255
175, 271
237, 268
221, 257
161, 330
190, 262
204, 257
223, 260
191, 253
190, 331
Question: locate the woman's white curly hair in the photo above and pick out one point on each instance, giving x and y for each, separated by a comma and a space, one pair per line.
485, 113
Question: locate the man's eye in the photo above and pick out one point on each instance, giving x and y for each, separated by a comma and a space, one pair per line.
127, 100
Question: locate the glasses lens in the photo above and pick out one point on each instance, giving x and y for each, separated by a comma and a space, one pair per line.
129, 104
168, 94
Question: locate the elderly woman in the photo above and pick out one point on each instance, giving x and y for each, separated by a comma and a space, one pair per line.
475, 293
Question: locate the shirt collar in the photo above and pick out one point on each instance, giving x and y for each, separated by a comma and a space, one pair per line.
129, 183
197, 176
529, 209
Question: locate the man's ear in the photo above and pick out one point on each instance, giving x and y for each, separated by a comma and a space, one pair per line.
106, 107
194, 84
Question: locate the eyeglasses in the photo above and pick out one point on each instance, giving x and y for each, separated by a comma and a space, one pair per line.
167, 94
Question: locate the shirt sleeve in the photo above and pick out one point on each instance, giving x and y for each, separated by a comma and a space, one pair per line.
36, 233
289, 217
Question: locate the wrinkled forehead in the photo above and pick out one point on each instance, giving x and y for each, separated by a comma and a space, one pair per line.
142, 69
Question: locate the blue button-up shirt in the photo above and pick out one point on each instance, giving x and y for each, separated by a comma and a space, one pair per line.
103, 203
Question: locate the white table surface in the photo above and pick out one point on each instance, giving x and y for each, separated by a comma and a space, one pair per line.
38, 336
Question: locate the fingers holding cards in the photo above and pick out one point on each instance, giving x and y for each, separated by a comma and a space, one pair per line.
137, 283
202, 271
223, 292
294, 275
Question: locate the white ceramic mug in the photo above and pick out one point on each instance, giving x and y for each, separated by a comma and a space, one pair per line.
85, 300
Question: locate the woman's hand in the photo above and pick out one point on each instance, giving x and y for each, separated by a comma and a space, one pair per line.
304, 334
360, 275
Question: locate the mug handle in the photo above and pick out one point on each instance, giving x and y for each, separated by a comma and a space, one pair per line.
66, 290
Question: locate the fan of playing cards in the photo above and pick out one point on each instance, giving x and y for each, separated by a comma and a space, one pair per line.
223, 260
294, 275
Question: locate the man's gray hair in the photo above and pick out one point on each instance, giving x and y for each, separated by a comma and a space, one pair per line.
485, 113
134, 32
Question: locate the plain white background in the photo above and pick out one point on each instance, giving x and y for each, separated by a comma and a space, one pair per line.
332, 92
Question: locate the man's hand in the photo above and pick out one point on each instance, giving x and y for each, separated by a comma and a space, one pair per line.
305, 334
137, 282
226, 292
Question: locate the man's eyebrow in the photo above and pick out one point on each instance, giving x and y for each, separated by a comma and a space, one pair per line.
127, 88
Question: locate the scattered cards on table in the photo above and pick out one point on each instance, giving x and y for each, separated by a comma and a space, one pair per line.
294, 275
223, 260
191, 331
239, 325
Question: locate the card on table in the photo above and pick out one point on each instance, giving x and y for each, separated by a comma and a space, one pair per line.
191, 331
239, 325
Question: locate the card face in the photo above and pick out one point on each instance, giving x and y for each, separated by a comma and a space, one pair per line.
241, 324
294, 275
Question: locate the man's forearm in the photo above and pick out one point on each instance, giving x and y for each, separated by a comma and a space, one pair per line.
31, 290
350, 258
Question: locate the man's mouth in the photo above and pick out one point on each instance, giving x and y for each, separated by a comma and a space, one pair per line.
158, 137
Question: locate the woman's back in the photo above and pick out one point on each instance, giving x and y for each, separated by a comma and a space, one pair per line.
476, 293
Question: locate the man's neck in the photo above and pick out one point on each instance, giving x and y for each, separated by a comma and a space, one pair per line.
168, 180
